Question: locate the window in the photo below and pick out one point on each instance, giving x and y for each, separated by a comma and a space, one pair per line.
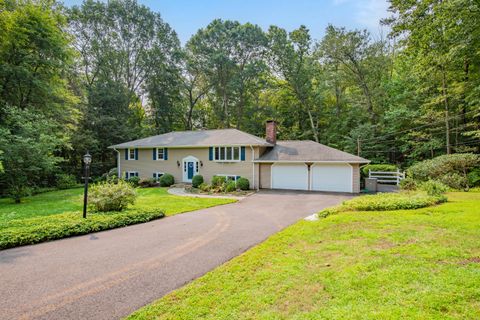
229, 177
157, 175
227, 154
160, 154
131, 154
129, 174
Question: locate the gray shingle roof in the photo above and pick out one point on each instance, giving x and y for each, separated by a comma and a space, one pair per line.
308, 151
200, 138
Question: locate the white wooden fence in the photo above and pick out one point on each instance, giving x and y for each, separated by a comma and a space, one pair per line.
387, 176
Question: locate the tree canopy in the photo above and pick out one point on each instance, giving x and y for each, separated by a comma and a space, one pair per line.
86, 77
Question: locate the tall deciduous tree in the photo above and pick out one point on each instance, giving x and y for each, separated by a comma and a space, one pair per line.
231, 58
129, 53
292, 58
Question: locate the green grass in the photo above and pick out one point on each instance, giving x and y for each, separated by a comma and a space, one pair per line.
406, 264
57, 214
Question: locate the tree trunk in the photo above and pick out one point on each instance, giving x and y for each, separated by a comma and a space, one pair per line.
445, 102
312, 124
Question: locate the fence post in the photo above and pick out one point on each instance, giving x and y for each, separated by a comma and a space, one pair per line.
398, 176
369, 173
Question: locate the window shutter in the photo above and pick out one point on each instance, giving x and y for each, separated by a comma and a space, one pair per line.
126, 154
136, 174
165, 153
242, 153
136, 154
154, 175
210, 153
154, 154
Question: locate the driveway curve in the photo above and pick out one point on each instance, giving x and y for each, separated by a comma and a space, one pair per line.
108, 275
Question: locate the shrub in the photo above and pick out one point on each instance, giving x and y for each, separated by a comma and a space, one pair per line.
148, 183
392, 201
218, 181
230, 186
65, 181
197, 180
433, 187
474, 177
385, 202
436, 168
134, 181
204, 187
108, 196
454, 180
378, 167
408, 184
243, 184
39, 229
166, 180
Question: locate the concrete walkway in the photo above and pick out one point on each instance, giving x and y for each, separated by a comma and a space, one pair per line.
108, 275
181, 192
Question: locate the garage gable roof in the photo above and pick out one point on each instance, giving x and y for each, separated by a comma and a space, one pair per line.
307, 151
198, 138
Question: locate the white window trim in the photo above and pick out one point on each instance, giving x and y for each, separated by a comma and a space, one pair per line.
157, 173
129, 174
225, 160
130, 153
163, 154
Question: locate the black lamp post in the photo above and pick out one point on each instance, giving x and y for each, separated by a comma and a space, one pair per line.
87, 159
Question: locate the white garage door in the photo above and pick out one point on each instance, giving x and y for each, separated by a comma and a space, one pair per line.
332, 177
290, 176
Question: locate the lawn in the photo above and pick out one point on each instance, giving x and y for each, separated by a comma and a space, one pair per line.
406, 264
57, 214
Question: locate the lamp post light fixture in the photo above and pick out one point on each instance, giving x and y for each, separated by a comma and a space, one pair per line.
87, 159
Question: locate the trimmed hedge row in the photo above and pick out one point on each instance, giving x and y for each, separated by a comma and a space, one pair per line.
386, 202
39, 229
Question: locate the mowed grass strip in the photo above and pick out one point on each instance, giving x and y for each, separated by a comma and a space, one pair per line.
406, 264
57, 214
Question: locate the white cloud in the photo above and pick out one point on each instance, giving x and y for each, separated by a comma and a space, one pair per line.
370, 12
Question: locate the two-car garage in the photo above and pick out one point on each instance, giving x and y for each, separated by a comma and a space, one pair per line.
308, 165
335, 177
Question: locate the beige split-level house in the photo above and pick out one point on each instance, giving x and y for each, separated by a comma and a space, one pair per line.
266, 163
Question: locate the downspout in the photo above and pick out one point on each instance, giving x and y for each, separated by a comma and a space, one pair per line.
118, 163
253, 167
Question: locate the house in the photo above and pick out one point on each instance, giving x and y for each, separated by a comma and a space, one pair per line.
266, 163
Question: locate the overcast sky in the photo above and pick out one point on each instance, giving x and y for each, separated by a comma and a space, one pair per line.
187, 16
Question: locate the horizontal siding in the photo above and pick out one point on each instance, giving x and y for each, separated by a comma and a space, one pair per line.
146, 166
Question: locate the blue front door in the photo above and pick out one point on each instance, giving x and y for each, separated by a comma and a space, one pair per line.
190, 168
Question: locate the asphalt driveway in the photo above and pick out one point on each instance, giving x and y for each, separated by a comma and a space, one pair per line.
108, 275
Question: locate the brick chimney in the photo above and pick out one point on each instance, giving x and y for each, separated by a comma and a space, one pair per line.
271, 131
